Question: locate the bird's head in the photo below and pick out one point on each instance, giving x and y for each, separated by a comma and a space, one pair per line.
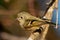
21, 17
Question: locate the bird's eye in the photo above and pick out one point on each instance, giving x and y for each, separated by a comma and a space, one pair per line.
21, 17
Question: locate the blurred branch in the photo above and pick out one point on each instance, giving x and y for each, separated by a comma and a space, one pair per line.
47, 16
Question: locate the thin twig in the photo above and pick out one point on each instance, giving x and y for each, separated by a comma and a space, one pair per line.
34, 36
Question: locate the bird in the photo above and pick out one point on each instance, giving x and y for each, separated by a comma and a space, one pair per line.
30, 22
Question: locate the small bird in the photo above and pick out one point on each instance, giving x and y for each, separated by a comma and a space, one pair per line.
29, 22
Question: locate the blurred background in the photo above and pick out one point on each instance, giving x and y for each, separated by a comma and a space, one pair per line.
9, 26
